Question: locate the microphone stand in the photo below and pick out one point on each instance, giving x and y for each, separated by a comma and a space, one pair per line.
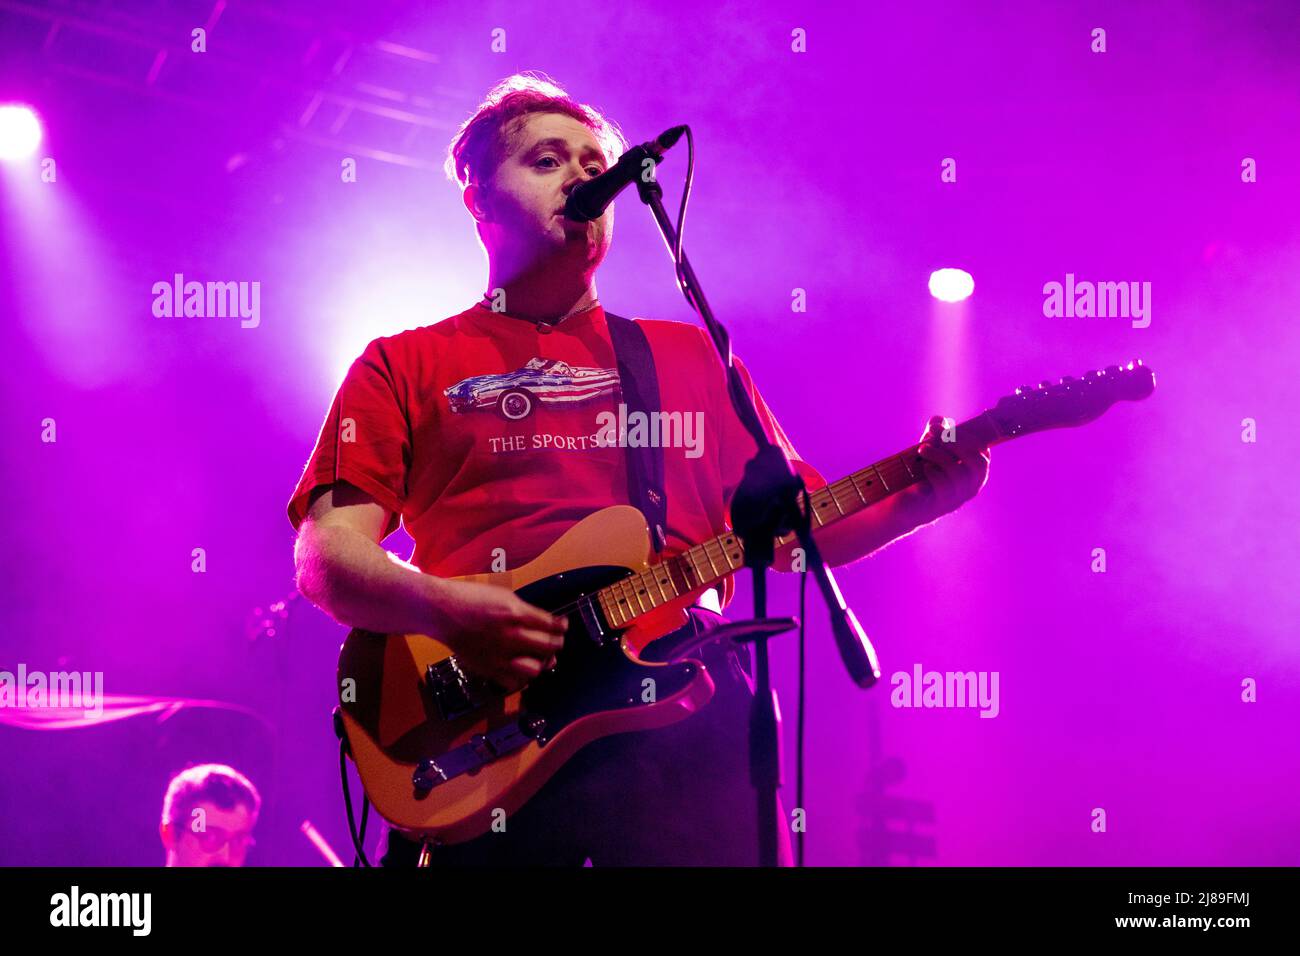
767, 504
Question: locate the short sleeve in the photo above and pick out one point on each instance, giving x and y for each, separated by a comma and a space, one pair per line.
365, 439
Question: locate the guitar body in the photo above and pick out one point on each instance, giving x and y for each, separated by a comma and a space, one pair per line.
440, 752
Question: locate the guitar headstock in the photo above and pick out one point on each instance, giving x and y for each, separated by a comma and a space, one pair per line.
1072, 401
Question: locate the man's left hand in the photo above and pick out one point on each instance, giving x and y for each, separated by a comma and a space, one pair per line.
951, 474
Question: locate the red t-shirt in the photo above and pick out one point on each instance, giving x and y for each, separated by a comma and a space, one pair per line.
483, 431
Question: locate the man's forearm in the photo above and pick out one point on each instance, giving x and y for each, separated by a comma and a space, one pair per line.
359, 584
865, 532
854, 537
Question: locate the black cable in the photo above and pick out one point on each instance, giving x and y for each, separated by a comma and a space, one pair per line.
357, 845
681, 219
798, 764
365, 816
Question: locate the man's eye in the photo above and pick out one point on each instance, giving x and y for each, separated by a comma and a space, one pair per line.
594, 170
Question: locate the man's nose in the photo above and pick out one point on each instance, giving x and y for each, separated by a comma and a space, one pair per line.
579, 177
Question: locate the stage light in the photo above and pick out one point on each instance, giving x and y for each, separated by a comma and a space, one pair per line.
951, 285
20, 132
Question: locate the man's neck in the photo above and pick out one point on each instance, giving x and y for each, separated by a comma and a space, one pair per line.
541, 297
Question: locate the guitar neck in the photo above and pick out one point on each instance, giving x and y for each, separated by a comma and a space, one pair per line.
711, 561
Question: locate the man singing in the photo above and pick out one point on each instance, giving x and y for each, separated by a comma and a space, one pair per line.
427, 428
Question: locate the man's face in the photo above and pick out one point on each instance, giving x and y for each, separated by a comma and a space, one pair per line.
521, 217
212, 837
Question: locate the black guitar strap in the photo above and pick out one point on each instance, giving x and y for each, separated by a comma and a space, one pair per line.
645, 464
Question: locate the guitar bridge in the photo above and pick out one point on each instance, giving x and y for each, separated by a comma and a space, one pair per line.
479, 751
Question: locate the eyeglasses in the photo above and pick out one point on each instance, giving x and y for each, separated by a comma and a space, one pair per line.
213, 839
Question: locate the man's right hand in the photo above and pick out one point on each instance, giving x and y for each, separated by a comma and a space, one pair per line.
496, 634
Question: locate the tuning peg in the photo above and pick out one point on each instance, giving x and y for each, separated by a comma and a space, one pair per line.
1024, 389
1044, 384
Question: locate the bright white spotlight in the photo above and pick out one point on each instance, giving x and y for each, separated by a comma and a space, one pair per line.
20, 132
951, 285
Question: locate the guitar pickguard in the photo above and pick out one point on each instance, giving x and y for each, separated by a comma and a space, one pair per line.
593, 674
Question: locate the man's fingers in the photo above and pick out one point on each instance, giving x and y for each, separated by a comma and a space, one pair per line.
934, 429
961, 444
535, 617
935, 479
539, 644
937, 453
950, 471
526, 666
953, 452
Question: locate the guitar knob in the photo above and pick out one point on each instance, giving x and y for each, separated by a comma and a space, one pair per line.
427, 775
1044, 384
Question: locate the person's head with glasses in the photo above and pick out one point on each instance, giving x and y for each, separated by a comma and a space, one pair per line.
208, 817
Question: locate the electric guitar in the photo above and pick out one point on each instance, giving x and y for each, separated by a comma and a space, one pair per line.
439, 750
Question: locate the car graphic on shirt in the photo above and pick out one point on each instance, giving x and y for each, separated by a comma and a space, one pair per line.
516, 395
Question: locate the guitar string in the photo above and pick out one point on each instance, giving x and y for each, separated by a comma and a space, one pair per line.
846, 482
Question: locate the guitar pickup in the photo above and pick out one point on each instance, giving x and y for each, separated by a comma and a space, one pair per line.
453, 692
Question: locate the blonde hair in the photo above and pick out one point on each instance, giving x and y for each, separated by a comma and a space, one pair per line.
482, 142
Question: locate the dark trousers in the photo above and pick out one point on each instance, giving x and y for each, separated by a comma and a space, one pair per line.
676, 796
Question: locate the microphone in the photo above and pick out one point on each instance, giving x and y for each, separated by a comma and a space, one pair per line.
589, 200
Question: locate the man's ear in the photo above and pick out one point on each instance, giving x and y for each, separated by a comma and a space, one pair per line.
477, 201
168, 839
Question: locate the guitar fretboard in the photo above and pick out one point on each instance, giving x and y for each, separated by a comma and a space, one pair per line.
708, 563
